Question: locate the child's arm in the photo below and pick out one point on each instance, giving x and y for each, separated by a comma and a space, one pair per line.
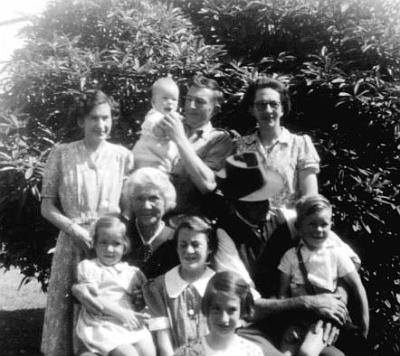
164, 342
86, 294
86, 289
129, 318
359, 294
285, 268
284, 285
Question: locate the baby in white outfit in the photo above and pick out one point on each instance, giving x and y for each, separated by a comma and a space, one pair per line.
154, 148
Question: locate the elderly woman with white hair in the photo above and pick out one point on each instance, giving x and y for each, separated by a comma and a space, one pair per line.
148, 194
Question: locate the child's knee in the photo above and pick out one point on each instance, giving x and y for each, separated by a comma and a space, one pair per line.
146, 346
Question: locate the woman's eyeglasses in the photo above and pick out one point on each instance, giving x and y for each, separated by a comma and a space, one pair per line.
262, 105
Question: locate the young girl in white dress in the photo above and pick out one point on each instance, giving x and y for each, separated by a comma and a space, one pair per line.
227, 301
119, 331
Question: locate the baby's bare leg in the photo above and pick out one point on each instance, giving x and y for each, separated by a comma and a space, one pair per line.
124, 350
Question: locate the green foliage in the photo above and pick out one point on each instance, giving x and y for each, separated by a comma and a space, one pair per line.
340, 58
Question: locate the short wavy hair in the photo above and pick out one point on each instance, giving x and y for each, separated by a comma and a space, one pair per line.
262, 83
200, 81
149, 177
230, 284
200, 224
89, 99
310, 204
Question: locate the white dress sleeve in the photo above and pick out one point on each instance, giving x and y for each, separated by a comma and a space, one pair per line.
227, 257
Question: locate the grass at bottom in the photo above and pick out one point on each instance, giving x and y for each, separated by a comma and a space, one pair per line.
20, 332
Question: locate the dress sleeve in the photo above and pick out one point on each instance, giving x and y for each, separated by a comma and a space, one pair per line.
308, 157
52, 173
129, 163
287, 261
227, 257
85, 272
156, 300
219, 147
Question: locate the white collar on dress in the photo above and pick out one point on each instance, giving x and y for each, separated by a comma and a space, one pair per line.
284, 136
175, 285
118, 267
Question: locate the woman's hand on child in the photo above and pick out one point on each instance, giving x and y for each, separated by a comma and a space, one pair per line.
81, 236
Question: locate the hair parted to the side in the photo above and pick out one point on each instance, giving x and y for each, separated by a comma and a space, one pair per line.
199, 224
310, 204
152, 178
231, 284
112, 222
163, 82
263, 82
200, 81
89, 100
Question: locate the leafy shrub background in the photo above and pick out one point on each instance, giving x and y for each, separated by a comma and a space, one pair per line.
340, 58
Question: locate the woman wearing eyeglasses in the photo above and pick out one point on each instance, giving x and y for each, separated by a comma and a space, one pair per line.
293, 156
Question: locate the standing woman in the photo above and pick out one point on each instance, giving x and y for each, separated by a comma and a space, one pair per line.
293, 156
82, 181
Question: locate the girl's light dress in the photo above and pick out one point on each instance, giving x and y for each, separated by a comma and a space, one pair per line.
86, 188
102, 334
175, 304
238, 347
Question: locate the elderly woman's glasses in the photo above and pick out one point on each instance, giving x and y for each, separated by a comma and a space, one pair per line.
262, 105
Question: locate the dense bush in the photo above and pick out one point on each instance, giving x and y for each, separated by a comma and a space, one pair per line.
340, 58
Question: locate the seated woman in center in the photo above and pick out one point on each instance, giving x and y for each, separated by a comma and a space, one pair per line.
148, 195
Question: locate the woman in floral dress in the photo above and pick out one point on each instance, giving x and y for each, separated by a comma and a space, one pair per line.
293, 156
82, 181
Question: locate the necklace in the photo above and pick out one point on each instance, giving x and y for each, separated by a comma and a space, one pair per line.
147, 247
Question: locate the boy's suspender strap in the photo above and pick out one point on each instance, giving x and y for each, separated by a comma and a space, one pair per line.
308, 285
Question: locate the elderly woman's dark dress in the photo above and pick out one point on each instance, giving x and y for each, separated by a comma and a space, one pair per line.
156, 258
